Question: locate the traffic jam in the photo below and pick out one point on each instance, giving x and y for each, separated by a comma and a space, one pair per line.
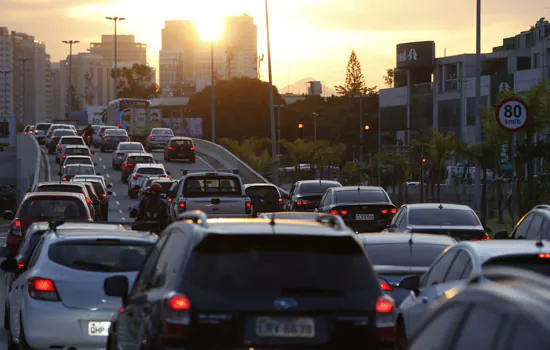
212, 262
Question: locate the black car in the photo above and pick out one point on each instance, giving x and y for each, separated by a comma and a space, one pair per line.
532, 226
180, 148
266, 198
238, 283
396, 255
102, 193
509, 310
363, 208
306, 195
458, 221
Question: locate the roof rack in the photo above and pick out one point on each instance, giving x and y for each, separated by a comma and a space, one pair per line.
55, 223
510, 273
333, 221
197, 217
187, 171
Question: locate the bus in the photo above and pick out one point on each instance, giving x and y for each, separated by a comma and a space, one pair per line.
132, 114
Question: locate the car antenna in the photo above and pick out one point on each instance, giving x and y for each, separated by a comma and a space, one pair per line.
539, 241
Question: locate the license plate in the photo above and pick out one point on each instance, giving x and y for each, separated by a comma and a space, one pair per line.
99, 328
298, 327
364, 217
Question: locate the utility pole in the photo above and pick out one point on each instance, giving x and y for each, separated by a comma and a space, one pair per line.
478, 124
70, 43
213, 84
361, 131
115, 19
6, 100
23, 59
279, 127
274, 155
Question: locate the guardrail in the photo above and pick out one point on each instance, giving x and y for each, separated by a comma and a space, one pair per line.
31, 167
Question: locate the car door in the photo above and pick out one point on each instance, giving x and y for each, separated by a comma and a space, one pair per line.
416, 306
534, 231
325, 202
18, 291
483, 328
521, 229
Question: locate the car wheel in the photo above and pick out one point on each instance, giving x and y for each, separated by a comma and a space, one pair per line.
401, 341
23, 345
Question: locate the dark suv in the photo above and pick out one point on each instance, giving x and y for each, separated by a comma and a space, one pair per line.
180, 148
255, 283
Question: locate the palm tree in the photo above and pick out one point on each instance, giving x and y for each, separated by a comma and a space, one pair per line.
440, 150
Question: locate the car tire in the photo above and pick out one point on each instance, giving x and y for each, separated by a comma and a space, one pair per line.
23, 345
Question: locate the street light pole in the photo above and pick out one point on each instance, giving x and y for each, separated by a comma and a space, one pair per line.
115, 19
478, 125
6, 101
361, 131
70, 42
213, 85
274, 155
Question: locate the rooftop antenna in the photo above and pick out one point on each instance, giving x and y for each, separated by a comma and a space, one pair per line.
411, 249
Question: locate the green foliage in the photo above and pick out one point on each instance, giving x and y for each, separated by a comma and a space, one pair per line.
252, 151
136, 82
355, 80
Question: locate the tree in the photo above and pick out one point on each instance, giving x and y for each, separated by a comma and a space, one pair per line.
136, 82
355, 80
389, 77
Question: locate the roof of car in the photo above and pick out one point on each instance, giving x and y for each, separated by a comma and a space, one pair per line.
161, 129
53, 194
108, 126
83, 226
63, 130
89, 177
422, 238
79, 165
139, 154
162, 179
130, 143
76, 146
236, 226
57, 183
85, 234
319, 181
77, 156
355, 188
494, 248
113, 129
441, 206
259, 184
181, 138
71, 136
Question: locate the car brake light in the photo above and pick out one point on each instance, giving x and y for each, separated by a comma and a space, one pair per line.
334, 212
176, 315
127, 139
486, 238
170, 199
386, 286
135, 176
393, 211
192, 148
544, 256
64, 178
21, 266
88, 200
179, 303
64, 156
17, 223
384, 211
248, 207
104, 195
281, 202
343, 212
181, 205
58, 146
42, 289
105, 139
53, 139
301, 202
170, 148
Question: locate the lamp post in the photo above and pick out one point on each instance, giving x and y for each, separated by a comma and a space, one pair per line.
70, 43
274, 156
478, 125
115, 19
6, 101
23, 59
213, 84
279, 127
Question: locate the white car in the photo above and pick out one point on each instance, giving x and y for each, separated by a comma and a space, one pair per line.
142, 171
123, 149
75, 160
65, 141
40, 131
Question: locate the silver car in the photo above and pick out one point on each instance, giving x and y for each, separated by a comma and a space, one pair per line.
142, 171
59, 300
65, 141
123, 149
158, 138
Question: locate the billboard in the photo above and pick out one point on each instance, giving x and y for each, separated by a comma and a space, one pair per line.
420, 54
190, 127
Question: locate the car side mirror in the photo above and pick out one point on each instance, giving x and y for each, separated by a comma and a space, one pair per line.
9, 265
501, 235
110, 186
8, 215
410, 282
109, 193
117, 286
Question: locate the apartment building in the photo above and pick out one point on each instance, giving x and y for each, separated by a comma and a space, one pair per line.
6, 72
128, 51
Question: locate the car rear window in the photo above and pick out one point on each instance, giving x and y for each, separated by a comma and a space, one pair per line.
43, 127
528, 262
131, 147
165, 186
84, 170
273, 266
117, 132
268, 193
315, 187
53, 208
103, 128
59, 188
78, 161
150, 171
403, 254
63, 132
186, 143
98, 188
72, 141
208, 186
139, 159
362, 196
443, 217
162, 132
77, 151
98, 256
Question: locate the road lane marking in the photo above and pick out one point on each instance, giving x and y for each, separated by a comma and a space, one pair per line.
108, 175
114, 194
104, 167
117, 203
120, 211
123, 218
100, 159
205, 162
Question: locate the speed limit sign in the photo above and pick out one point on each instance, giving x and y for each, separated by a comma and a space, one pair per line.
512, 114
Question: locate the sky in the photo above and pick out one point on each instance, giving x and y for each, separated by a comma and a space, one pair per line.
309, 38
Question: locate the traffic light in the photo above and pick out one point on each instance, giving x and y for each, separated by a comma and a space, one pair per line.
367, 127
300, 130
300, 126
424, 160
118, 125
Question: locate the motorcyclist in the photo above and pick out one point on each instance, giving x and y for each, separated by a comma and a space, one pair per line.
88, 133
153, 208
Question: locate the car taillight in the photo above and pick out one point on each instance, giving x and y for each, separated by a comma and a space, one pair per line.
135, 176
176, 315
164, 175
281, 202
58, 146
248, 207
544, 256
104, 195
385, 317
393, 211
170, 148
192, 148
385, 286
181, 205
127, 139
170, 199
21, 266
128, 165
486, 238
53, 139
105, 139
88, 200
42, 289
384, 211
16, 228
301, 202
64, 178
152, 137
64, 156
338, 212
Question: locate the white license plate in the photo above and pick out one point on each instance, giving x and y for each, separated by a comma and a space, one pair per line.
298, 327
364, 217
99, 328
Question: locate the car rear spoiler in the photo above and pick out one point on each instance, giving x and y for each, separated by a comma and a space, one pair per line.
213, 171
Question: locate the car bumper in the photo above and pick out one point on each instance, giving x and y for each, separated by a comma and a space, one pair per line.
157, 143
48, 324
118, 160
109, 144
367, 226
185, 155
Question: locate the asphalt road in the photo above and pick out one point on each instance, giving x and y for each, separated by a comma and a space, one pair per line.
119, 202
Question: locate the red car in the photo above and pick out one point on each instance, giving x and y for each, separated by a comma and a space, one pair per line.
44, 206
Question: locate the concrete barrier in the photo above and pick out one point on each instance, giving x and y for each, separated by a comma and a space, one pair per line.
30, 164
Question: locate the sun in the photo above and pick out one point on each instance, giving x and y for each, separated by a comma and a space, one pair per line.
210, 27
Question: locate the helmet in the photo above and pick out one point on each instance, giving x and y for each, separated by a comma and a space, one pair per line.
155, 189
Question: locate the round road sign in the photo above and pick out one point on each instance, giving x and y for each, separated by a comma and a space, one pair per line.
512, 114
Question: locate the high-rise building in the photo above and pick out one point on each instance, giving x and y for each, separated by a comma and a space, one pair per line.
49, 90
6, 78
240, 41
57, 110
128, 51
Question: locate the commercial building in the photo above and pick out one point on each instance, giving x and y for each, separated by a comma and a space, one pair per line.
439, 93
240, 38
7, 74
128, 51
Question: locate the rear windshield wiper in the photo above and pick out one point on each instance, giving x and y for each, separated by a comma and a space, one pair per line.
311, 292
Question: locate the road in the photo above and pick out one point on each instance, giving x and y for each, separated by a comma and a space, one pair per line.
119, 202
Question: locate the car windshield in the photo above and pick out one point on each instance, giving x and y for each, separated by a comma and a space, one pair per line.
100, 256
243, 266
53, 207
59, 188
151, 171
72, 141
403, 254
362, 196
84, 170
162, 132
443, 217
315, 188
77, 151
140, 159
130, 147
209, 186
269, 193
115, 132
